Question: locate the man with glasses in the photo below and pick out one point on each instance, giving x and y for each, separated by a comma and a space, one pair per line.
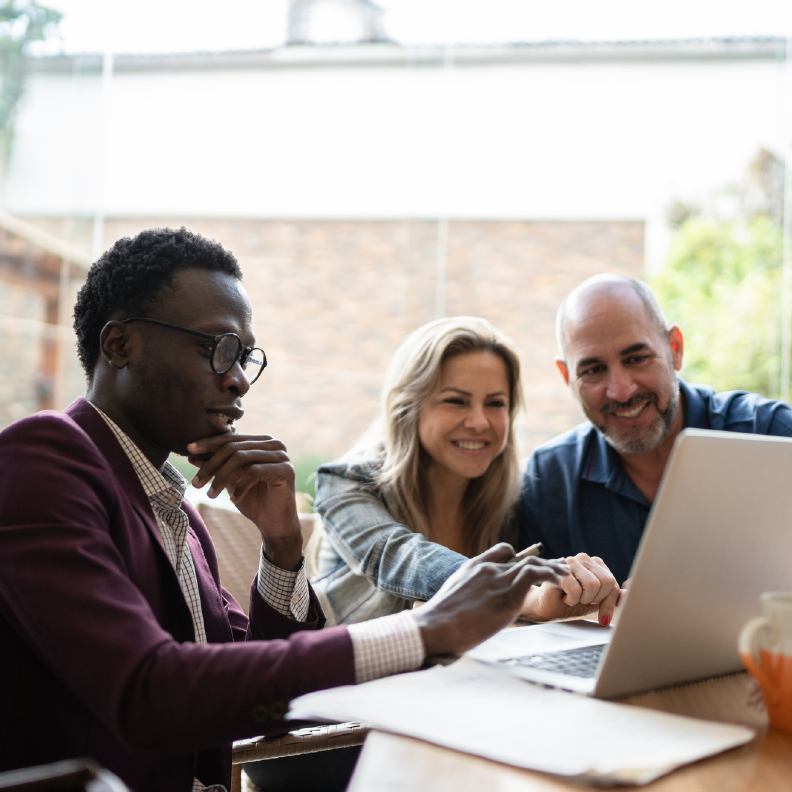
227, 349
117, 640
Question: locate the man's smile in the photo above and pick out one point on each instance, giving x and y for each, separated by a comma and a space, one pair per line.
633, 413
631, 409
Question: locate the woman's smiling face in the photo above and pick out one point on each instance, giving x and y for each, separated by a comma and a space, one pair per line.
464, 423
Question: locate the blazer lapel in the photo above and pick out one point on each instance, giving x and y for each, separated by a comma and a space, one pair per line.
216, 623
89, 420
86, 416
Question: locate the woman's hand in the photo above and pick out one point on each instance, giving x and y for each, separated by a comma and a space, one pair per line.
590, 586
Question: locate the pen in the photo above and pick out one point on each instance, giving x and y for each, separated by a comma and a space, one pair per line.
533, 550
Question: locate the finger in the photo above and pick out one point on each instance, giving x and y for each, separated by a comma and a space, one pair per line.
608, 606
538, 572
596, 565
230, 483
606, 578
215, 442
512, 569
258, 474
251, 471
497, 554
531, 575
268, 466
533, 550
209, 456
231, 458
573, 584
227, 483
209, 467
595, 578
600, 587
243, 444
228, 476
199, 459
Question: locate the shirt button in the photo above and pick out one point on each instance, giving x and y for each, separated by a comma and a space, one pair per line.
275, 711
260, 713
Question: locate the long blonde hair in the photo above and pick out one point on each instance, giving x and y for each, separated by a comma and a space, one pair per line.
410, 379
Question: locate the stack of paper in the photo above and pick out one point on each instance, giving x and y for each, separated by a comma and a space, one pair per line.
472, 708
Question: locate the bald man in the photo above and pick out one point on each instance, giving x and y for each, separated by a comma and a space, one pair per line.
590, 489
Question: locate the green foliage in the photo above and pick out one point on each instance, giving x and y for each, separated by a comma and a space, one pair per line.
21, 22
305, 467
721, 284
182, 465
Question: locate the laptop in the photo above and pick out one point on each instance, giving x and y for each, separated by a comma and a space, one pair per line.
719, 534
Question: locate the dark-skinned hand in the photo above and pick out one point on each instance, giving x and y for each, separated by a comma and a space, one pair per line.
256, 472
589, 587
483, 596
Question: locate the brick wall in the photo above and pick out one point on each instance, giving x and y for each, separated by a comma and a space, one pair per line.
332, 300
22, 334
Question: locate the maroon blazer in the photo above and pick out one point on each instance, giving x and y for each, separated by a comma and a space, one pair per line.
96, 640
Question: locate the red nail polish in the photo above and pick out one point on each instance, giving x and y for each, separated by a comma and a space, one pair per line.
605, 621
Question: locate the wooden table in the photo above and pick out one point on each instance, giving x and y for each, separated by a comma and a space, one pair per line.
391, 763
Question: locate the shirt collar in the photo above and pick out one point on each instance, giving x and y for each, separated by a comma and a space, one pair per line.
696, 411
165, 484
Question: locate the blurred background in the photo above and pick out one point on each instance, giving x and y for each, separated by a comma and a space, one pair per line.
374, 166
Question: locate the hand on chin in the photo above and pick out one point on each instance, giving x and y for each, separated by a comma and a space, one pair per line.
257, 473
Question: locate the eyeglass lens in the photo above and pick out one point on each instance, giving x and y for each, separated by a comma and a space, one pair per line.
227, 352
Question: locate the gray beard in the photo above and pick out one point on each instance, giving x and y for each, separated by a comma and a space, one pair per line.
650, 437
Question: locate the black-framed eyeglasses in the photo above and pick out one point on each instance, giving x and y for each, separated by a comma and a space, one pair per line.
227, 349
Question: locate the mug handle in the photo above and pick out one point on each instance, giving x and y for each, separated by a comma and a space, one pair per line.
749, 653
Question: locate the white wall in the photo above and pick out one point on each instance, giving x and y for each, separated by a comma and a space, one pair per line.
562, 140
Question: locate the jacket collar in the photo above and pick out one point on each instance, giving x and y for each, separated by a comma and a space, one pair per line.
84, 414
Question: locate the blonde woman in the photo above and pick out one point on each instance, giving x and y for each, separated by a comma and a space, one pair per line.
435, 481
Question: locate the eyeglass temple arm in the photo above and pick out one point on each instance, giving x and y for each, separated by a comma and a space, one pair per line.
172, 326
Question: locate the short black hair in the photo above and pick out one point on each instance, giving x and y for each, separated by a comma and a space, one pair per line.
129, 277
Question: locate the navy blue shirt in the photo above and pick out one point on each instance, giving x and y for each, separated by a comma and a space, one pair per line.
577, 498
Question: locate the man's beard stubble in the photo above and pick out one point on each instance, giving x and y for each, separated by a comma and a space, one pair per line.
640, 440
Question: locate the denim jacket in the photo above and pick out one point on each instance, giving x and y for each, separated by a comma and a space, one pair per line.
371, 565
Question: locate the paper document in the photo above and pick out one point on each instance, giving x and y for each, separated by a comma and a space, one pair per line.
476, 709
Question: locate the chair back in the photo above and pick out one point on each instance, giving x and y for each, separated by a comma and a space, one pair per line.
237, 543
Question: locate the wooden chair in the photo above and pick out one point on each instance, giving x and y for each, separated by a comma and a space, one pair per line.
296, 743
237, 543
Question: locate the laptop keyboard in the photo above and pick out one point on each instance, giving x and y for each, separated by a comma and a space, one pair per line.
576, 662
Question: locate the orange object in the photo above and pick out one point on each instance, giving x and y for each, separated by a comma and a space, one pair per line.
766, 651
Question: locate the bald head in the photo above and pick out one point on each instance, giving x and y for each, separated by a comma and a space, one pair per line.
601, 290
620, 360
